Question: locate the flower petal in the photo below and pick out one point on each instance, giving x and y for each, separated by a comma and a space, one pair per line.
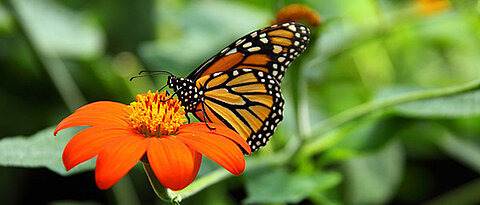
174, 164
219, 130
87, 143
103, 112
105, 106
114, 161
216, 147
197, 161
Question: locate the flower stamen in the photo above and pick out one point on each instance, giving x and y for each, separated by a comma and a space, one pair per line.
154, 115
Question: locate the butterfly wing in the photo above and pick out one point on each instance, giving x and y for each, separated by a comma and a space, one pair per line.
246, 100
270, 50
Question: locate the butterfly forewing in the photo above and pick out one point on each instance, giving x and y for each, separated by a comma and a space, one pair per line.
270, 50
240, 86
246, 100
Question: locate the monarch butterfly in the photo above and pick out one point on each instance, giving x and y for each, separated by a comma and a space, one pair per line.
240, 86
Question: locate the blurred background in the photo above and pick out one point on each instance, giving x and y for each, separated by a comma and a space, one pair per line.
347, 136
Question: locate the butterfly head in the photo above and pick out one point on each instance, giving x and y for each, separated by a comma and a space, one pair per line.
172, 82
187, 92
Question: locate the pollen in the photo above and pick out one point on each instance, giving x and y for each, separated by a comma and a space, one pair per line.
156, 115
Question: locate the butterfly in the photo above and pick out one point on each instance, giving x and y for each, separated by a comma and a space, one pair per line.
240, 86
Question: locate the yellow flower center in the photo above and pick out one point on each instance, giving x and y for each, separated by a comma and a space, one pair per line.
153, 115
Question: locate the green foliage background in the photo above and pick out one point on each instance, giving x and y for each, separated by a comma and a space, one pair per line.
383, 107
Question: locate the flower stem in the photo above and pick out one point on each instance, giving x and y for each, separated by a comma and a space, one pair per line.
363, 109
124, 192
203, 182
162, 192
317, 143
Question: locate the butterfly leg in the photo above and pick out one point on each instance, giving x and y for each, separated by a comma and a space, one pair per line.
188, 118
205, 117
171, 96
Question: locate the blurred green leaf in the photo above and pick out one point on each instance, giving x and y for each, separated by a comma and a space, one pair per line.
466, 194
74, 203
372, 179
59, 31
282, 186
377, 106
40, 150
453, 106
365, 136
5, 20
465, 151
200, 30
420, 138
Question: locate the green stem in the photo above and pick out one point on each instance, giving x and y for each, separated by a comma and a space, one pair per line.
203, 182
221, 174
364, 109
124, 192
162, 192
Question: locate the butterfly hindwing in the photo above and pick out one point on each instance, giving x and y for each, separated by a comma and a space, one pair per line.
271, 50
240, 86
246, 100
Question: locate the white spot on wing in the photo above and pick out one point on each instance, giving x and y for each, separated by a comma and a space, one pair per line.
253, 49
292, 28
240, 41
231, 52
277, 49
224, 50
246, 45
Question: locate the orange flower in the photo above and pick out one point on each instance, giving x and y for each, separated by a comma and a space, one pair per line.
152, 131
431, 7
297, 13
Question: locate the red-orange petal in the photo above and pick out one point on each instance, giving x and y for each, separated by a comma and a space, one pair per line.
114, 161
218, 148
174, 164
103, 112
219, 130
197, 161
106, 106
89, 142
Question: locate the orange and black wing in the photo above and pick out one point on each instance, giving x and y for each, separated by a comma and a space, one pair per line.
270, 50
246, 100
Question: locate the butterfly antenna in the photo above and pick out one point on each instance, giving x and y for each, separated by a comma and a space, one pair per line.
155, 71
150, 73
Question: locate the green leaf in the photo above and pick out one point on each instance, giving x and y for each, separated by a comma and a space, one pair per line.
281, 186
204, 28
465, 194
420, 139
453, 106
362, 137
58, 31
465, 151
40, 150
372, 179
